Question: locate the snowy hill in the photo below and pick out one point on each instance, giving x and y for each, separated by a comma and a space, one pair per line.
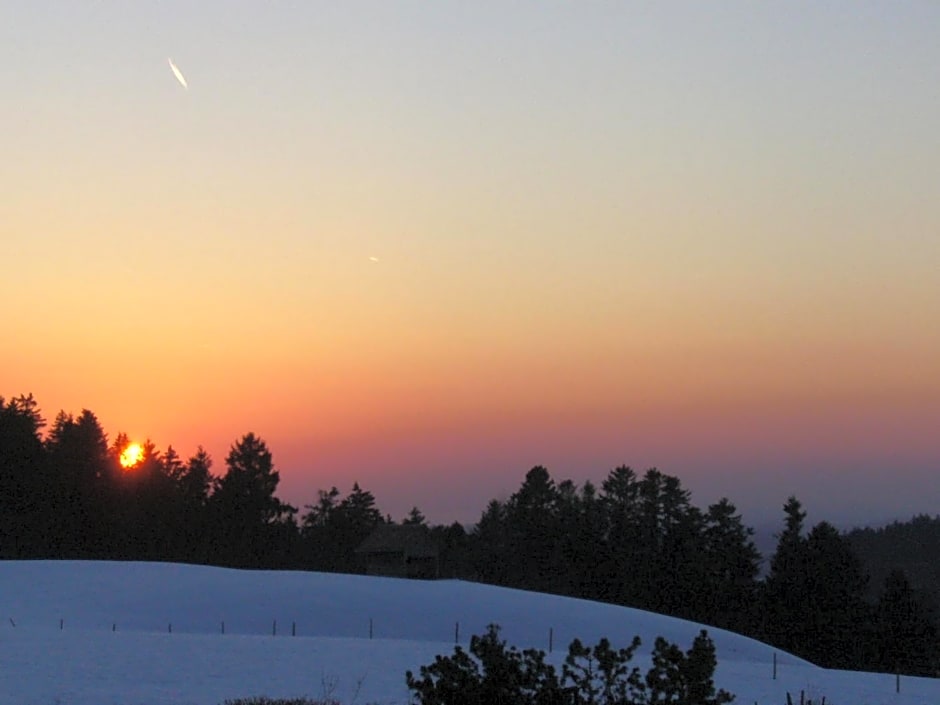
82, 633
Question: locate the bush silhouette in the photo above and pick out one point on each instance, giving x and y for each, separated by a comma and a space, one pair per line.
599, 675
497, 675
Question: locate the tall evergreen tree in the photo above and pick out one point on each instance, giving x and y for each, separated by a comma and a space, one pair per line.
652, 542
533, 531
173, 465
357, 517
193, 482
245, 506
79, 468
21, 454
23, 505
250, 481
907, 639
324, 547
670, 536
835, 613
591, 578
579, 527
490, 548
333, 528
620, 550
358, 512
781, 593
196, 480
813, 598
732, 563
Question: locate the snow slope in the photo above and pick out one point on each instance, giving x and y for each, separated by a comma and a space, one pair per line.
115, 644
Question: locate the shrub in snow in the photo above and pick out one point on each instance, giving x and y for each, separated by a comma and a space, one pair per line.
685, 678
600, 674
494, 674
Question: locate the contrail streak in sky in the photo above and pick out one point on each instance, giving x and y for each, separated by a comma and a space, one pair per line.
178, 74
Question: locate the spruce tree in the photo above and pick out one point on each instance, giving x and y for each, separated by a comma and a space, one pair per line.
907, 640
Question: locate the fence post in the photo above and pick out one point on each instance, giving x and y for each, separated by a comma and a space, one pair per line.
12, 622
169, 628
61, 624
113, 626
897, 682
370, 627
775, 665
293, 628
274, 628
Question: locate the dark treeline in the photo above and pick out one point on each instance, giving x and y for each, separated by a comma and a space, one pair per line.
635, 540
913, 547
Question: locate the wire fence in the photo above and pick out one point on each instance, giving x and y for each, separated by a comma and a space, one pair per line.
369, 630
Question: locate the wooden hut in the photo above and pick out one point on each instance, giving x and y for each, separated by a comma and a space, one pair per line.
401, 551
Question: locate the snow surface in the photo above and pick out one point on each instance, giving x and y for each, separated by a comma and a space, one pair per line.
115, 645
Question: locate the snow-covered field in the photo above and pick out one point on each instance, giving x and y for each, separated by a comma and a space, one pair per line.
99, 633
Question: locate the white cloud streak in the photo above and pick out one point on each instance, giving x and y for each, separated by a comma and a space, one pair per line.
178, 74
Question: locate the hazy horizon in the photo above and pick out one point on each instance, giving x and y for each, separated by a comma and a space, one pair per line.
427, 247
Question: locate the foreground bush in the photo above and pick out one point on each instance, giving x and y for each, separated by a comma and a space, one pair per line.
496, 675
492, 674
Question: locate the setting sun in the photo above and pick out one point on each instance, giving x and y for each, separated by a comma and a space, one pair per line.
132, 455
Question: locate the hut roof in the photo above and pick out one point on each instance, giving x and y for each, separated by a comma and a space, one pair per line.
410, 539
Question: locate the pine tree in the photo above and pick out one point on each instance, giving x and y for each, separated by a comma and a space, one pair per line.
490, 546
23, 479
783, 594
619, 550
325, 547
358, 512
415, 518
732, 564
21, 454
79, 466
196, 480
356, 517
906, 637
835, 613
533, 531
669, 550
245, 504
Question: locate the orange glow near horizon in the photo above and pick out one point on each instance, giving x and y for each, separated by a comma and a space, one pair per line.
131, 456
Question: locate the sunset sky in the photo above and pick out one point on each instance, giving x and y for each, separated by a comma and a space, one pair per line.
428, 245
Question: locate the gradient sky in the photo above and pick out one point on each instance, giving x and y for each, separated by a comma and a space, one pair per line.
700, 236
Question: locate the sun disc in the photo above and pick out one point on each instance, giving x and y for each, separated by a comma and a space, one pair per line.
131, 456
